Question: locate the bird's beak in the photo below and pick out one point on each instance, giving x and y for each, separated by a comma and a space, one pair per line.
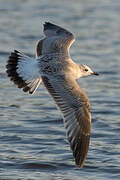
95, 73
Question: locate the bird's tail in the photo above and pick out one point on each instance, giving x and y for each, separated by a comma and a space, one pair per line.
23, 71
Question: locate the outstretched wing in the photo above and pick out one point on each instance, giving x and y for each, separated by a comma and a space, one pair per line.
56, 40
74, 105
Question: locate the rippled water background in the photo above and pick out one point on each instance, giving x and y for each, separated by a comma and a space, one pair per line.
33, 142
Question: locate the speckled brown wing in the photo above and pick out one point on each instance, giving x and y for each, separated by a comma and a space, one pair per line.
74, 105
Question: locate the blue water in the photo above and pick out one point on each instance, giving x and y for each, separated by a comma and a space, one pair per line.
33, 143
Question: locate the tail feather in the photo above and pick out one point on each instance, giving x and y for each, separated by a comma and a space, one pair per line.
33, 85
23, 71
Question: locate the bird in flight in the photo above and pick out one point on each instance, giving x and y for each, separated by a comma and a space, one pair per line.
54, 67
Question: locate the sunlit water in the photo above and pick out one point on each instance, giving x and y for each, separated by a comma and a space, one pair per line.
33, 143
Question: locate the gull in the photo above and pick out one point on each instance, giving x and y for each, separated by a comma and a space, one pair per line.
59, 73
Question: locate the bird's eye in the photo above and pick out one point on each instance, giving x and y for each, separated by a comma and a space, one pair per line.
86, 70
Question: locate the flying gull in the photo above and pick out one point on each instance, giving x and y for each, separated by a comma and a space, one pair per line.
54, 67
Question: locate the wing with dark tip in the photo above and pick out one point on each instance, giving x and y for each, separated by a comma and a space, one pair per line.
75, 107
57, 39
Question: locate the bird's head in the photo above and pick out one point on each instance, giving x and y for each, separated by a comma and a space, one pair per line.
86, 71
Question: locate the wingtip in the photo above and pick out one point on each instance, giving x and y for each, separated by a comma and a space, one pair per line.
49, 25
46, 25
80, 164
80, 149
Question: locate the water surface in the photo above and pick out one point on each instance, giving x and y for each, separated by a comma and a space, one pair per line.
33, 142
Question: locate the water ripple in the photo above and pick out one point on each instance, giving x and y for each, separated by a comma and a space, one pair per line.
33, 142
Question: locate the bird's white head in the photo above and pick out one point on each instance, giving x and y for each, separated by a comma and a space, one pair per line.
86, 71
